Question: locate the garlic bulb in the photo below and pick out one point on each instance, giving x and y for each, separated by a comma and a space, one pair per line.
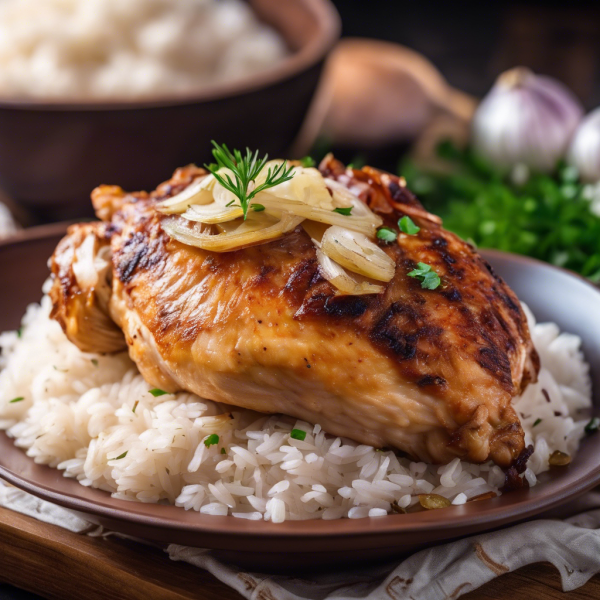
584, 153
525, 119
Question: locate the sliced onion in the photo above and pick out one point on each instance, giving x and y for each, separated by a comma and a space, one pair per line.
198, 192
364, 224
253, 222
341, 195
315, 230
357, 253
343, 281
250, 233
212, 213
89, 263
307, 186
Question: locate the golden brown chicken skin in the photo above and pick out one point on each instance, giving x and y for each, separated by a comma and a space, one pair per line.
429, 372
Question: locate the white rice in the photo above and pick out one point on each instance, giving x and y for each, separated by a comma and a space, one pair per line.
77, 414
129, 49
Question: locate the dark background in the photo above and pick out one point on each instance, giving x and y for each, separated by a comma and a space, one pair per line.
471, 43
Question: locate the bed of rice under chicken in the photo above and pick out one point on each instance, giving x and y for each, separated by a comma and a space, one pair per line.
94, 418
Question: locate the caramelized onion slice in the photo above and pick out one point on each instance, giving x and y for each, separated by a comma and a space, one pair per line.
365, 224
315, 230
198, 192
343, 281
357, 253
306, 186
212, 213
249, 233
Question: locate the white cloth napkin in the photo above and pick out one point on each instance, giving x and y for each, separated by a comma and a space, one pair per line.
572, 545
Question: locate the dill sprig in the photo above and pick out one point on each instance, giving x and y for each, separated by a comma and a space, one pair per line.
245, 169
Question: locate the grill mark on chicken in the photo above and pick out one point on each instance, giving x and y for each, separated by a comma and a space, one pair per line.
447, 360
134, 250
305, 275
431, 380
453, 295
399, 331
345, 306
496, 361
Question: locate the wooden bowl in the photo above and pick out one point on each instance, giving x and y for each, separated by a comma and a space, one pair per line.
53, 154
553, 294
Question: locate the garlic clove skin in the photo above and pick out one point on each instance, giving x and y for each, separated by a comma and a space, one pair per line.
525, 119
584, 153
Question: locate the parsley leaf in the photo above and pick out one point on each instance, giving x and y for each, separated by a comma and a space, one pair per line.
537, 422
156, 392
15, 400
387, 234
307, 162
298, 434
429, 279
344, 211
211, 440
120, 456
407, 225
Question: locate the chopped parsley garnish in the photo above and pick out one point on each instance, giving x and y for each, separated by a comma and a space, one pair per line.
298, 434
536, 422
211, 440
20, 332
15, 400
429, 279
307, 162
95, 362
407, 225
593, 425
347, 211
386, 234
245, 170
120, 456
156, 392
135, 405
223, 451
258, 207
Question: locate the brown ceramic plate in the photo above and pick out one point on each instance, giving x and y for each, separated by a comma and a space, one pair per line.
553, 294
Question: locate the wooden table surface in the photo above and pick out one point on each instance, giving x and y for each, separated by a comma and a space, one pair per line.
61, 565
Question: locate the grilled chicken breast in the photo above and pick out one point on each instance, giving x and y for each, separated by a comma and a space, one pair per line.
429, 372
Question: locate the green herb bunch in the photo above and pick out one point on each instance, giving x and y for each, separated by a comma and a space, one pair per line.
547, 216
245, 170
